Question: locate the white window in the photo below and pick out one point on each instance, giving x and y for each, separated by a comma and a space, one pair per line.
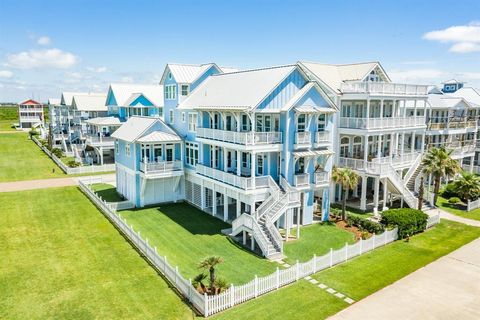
244, 122
191, 151
171, 116
171, 92
244, 160
321, 123
260, 165
301, 123
127, 149
185, 89
116, 147
183, 117
192, 122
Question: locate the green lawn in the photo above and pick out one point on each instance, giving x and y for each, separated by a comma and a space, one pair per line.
368, 273
6, 125
458, 209
107, 192
62, 259
21, 159
187, 235
316, 239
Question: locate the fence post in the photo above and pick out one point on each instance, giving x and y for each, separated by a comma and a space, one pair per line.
297, 271
232, 296
346, 251
278, 278
314, 262
331, 257
205, 299
256, 286
374, 236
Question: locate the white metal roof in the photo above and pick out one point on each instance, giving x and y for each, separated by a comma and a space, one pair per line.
123, 91
228, 69
471, 95
334, 75
443, 101
54, 101
92, 102
188, 73
104, 121
136, 127
67, 97
313, 153
453, 81
237, 90
309, 109
159, 136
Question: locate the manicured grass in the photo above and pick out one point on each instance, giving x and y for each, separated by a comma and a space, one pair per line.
21, 159
316, 239
6, 125
301, 300
9, 113
107, 192
368, 273
458, 209
62, 259
187, 235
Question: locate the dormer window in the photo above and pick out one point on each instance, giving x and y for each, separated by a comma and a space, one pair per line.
169, 76
185, 89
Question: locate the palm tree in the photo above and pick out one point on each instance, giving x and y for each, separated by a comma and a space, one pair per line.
210, 263
220, 285
198, 282
439, 163
421, 191
468, 186
348, 180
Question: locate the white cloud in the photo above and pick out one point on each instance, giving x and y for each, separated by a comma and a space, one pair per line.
97, 69
464, 39
126, 79
6, 74
417, 75
44, 41
48, 58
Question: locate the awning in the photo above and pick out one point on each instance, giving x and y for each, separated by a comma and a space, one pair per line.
313, 153
159, 136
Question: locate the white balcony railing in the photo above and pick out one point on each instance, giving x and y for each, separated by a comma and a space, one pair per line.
303, 137
362, 165
381, 123
452, 125
245, 183
96, 140
245, 138
161, 167
322, 137
301, 180
384, 88
29, 118
398, 159
322, 178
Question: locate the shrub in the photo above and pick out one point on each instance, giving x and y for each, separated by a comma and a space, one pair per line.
364, 224
73, 164
454, 200
408, 221
33, 132
57, 152
449, 191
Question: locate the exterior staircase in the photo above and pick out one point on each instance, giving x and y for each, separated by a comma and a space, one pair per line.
262, 224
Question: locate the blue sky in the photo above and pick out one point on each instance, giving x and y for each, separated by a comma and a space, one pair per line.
51, 46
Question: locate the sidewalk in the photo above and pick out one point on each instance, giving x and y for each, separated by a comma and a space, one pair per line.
448, 288
49, 183
448, 216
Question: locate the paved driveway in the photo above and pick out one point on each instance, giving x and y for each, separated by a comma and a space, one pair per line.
448, 288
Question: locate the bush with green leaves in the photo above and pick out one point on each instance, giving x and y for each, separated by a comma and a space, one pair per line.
449, 191
409, 221
57, 152
364, 224
454, 200
33, 132
73, 164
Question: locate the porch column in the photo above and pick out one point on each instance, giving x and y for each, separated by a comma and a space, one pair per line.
379, 146
422, 146
101, 155
412, 145
402, 146
363, 197
365, 148
287, 225
238, 162
368, 108
472, 159
381, 109
225, 207
202, 201
252, 244
298, 223
239, 207
214, 201
225, 162
244, 237
252, 168
181, 153
214, 156
376, 192
385, 193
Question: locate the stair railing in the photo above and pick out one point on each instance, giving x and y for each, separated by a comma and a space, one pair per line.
399, 184
413, 169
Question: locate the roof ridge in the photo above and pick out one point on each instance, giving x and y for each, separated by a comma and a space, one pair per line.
256, 69
339, 65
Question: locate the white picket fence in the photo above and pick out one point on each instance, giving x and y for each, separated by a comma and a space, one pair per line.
208, 305
472, 205
433, 220
77, 170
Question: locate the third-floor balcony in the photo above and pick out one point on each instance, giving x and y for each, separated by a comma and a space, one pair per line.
452, 124
239, 181
303, 139
384, 88
242, 138
382, 123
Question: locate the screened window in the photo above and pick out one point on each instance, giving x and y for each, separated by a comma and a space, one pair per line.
127, 149
191, 151
192, 122
321, 122
171, 116
185, 89
301, 123
170, 92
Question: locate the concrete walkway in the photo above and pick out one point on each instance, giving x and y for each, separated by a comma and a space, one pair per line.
51, 183
448, 216
448, 288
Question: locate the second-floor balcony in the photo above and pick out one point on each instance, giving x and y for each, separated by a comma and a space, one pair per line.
301, 180
382, 123
384, 88
321, 178
30, 118
459, 148
460, 124
99, 141
322, 137
239, 137
162, 168
239, 181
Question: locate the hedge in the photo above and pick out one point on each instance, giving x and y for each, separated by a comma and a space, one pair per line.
364, 224
408, 221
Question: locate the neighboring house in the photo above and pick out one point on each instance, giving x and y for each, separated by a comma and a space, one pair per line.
30, 115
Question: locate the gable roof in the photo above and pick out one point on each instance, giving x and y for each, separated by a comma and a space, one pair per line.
91, 102
334, 75
470, 94
123, 92
302, 92
53, 101
104, 121
440, 101
67, 97
186, 73
135, 96
135, 128
236, 90
30, 102
453, 81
